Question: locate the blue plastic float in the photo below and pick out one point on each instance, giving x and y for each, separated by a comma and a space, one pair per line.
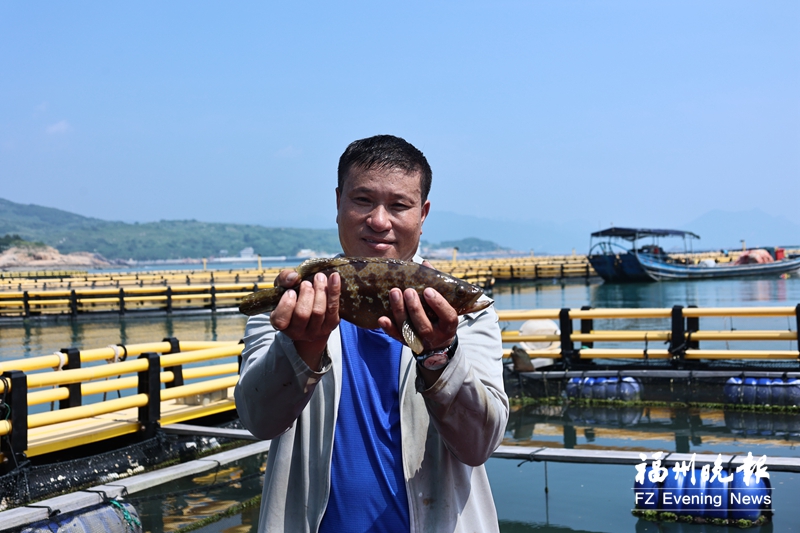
733, 500
762, 391
626, 389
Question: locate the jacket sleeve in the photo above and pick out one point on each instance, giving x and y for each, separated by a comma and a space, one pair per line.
274, 384
468, 404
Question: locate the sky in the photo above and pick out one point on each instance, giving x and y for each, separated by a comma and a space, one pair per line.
606, 112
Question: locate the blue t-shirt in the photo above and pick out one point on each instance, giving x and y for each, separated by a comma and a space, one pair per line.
368, 491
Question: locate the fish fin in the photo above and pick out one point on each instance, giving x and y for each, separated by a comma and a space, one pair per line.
411, 338
263, 301
309, 267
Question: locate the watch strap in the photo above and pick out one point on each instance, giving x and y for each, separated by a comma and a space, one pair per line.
437, 359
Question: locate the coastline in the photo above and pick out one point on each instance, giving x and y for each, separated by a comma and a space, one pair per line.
43, 257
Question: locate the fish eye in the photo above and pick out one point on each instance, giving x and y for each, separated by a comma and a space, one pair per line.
460, 291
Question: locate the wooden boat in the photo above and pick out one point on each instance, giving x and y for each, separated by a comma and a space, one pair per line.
662, 269
615, 262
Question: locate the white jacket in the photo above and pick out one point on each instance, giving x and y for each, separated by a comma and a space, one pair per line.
448, 431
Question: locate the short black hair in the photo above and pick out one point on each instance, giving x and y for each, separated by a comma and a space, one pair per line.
389, 152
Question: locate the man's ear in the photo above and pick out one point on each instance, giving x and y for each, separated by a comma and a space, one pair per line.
338, 201
426, 207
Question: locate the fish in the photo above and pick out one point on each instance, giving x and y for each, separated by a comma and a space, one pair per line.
366, 282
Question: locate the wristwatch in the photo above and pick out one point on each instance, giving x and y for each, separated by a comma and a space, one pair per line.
437, 359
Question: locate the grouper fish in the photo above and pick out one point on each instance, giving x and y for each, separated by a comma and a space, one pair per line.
366, 282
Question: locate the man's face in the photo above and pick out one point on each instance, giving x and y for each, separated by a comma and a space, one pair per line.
380, 213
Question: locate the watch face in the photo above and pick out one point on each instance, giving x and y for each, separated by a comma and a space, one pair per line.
436, 361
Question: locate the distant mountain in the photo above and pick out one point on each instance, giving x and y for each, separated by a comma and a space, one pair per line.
538, 235
178, 239
726, 229
175, 239
718, 230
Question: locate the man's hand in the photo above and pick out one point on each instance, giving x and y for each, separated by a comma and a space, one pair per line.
308, 316
437, 333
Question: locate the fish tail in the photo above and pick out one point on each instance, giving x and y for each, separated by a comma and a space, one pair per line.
263, 301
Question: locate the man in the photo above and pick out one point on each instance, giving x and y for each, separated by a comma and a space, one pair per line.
366, 436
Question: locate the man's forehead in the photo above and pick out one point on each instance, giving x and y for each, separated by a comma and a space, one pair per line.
359, 178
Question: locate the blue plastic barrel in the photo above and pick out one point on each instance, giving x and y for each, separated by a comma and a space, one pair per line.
630, 390
101, 517
764, 391
647, 495
599, 389
586, 388
792, 392
714, 495
778, 392
573, 387
732, 392
673, 490
749, 391
612, 388
747, 502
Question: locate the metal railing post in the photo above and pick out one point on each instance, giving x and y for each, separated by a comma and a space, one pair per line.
692, 326
677, 341
73, 303
169, 300
150, 384
177, 370
121, 301
26, 304
797, 328
15, 444
213, 298
587, 325
567, 347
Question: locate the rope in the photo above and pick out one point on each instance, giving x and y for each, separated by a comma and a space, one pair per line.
130, 521
115, 359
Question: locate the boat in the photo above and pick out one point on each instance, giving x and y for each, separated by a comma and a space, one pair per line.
661, 269
616, 262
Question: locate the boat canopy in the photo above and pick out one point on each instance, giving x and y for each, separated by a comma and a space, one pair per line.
632, 234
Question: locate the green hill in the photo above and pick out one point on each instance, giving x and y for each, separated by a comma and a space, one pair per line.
169, 239
176, 239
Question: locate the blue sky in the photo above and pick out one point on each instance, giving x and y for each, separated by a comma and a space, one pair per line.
637, 113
